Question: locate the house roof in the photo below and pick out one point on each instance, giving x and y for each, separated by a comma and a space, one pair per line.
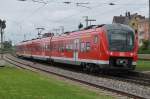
120, 19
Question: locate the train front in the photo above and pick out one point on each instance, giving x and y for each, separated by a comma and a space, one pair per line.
121, 46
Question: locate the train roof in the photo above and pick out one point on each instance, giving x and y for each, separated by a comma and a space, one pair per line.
87, 29
118, 26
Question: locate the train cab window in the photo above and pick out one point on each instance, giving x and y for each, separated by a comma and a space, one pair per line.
95, 39
87, 46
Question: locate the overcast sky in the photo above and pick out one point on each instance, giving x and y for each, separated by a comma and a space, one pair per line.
23, 17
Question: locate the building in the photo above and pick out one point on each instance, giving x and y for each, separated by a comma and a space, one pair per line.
129, 19
121, 19
143, 30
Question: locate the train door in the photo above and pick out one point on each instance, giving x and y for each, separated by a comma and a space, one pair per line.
43, 48
76, 47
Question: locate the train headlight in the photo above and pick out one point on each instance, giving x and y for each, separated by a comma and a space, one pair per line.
131, 54
111, 53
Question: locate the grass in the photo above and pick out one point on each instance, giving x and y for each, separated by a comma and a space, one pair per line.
143, 65
23, 84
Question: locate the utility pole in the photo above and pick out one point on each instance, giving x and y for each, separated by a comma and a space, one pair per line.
1, 42
24, 37
56, 30
62, 29
87, 20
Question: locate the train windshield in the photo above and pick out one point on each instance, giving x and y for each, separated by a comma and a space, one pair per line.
120, 40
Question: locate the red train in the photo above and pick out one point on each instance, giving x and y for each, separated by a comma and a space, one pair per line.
112, 46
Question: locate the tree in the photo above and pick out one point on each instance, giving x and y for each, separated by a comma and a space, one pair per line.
7, 44
80, 26
2, 24
145, 44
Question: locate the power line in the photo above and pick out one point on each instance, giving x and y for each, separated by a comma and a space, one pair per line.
109, 3
76, 14
87, 11
67, 16
81, 12
36, 10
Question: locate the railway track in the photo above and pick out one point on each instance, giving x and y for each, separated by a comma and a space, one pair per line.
95, 81
132, 77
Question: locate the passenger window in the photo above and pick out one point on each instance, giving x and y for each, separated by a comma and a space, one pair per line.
82, 47
95, 39
87, 46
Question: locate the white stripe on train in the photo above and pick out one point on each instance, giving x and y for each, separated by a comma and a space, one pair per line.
70, 60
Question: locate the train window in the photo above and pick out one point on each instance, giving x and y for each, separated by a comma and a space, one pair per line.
45, 47
95, 39
82, 47
70, 47
87, 46
67, 47
64, 47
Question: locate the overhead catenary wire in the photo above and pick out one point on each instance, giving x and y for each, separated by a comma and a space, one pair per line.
36, 10
80, 12
106, 12
73, 15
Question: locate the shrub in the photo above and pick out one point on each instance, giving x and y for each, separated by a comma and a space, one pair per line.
145, 48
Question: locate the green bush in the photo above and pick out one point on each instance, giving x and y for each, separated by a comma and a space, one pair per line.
145, 48
144, 52
145, 45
